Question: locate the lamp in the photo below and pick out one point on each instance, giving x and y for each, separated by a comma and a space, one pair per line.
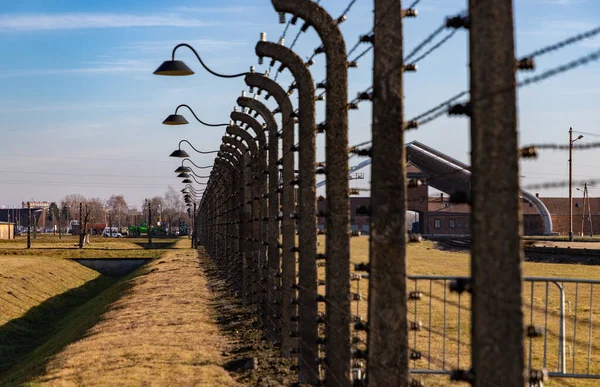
183, 154
179, 68
178, 119
182, 169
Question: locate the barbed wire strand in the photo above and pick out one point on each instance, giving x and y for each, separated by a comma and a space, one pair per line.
564, 43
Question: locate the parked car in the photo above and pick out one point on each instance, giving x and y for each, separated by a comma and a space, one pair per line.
112, 235
111, 232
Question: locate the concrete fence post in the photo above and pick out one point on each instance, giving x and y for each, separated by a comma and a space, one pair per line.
388, 323
273, 270
308, 368
337, 282
288, 235
496, 253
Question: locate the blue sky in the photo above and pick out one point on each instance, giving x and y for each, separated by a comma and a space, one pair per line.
81, 111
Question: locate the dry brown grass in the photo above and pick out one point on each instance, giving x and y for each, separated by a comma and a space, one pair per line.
425, 259
160, 332
67, 247
26, 282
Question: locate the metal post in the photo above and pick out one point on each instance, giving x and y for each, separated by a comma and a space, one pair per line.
308, 368
288, 235
388, 326
496, 255
28, 225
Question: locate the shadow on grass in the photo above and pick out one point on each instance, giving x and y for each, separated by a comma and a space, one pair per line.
21, 336
156, 245
27, 343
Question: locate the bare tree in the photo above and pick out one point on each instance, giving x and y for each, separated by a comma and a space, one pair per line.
118, 206
175, 208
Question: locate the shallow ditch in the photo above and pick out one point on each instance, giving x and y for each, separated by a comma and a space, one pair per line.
27, 342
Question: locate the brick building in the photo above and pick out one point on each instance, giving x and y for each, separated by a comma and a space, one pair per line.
437, 216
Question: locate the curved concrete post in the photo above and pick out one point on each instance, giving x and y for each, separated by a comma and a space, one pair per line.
265, 308
337, 282
240, 226
230, 250
274, 259
254, 251
288, 237
308, 368
250, 207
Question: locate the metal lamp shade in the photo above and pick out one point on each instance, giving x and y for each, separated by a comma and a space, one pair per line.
179, 153
183, 175
173, 68
187, 181
175, 119
182, 169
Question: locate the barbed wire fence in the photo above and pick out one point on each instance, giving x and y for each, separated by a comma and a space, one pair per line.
360, 336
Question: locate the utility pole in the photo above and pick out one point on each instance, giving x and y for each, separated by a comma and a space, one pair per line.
81, 235
571, 141
149, 225
571, 184
28, 225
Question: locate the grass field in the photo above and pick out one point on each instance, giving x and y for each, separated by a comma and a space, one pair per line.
43, 297
441, 347
153, 328
41, 292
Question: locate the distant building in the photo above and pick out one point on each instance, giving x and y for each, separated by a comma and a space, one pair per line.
7, 230
437, 216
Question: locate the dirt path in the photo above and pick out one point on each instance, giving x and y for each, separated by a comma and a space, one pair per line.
162, 331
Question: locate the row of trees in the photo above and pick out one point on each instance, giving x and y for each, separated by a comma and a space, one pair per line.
169, 209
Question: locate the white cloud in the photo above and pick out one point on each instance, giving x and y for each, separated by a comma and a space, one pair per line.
93, 68
71, 21
198, 44
232, 9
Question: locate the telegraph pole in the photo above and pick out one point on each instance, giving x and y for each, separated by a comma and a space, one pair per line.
28, 225
571, 238
149, 225
81, 225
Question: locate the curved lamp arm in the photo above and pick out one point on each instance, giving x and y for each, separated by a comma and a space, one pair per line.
197, 175
194, 164
196, 117
192, 189
202, 63
190, 144
199, 182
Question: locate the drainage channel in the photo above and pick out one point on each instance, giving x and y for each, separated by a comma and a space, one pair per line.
112, 267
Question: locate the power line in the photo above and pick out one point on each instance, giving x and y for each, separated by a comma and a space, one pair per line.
73, 184
83, 174
80, 158
587, 133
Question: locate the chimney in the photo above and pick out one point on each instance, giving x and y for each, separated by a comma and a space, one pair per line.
442, 197
537, 195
